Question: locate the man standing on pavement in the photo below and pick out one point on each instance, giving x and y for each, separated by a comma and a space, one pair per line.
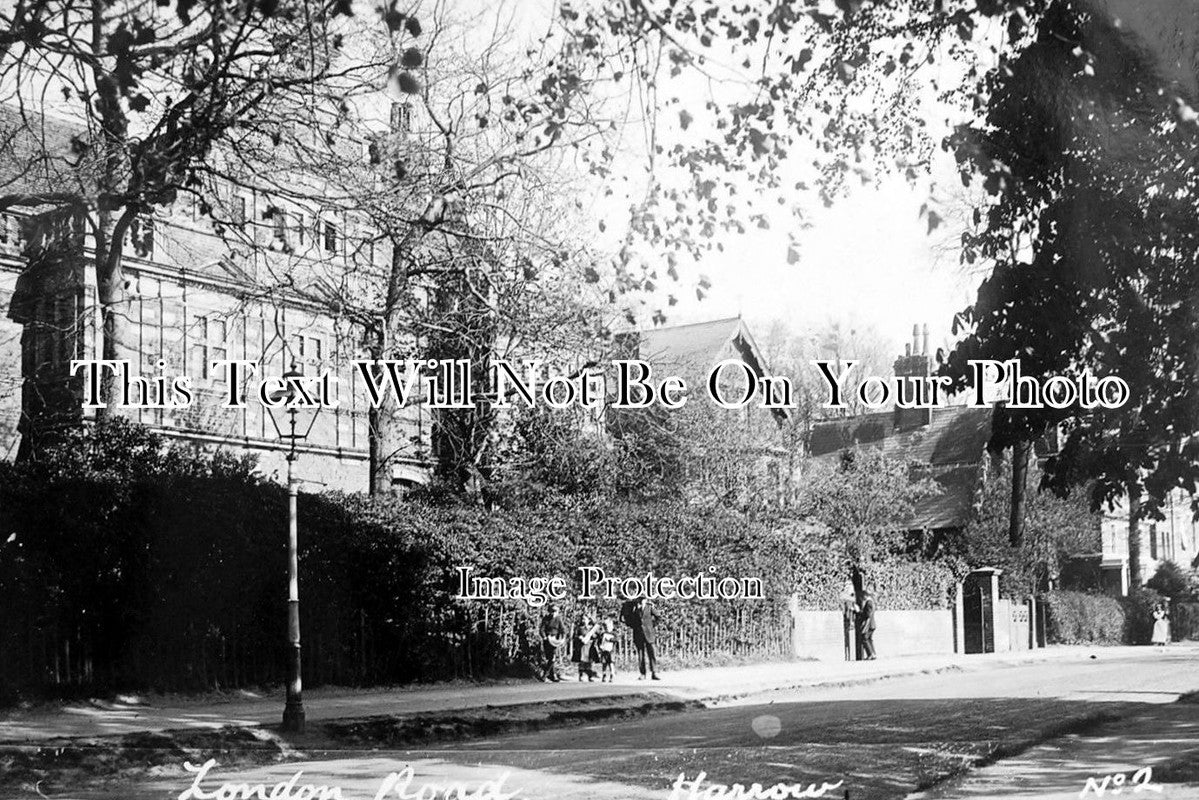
866, 625
639, 615
553, 634
849, 613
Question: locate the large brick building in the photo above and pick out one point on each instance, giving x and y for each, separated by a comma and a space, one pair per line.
195, 296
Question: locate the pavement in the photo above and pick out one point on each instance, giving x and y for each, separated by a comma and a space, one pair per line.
1042, 726
711, 686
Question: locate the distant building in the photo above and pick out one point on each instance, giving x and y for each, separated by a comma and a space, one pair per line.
949, 442
728, 448
1175, 538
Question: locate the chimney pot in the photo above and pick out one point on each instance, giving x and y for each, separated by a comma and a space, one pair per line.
924, 340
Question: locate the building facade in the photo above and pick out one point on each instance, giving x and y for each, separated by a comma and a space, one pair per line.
197, 293
1174, 538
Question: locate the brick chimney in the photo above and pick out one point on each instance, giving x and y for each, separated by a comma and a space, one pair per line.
914, 363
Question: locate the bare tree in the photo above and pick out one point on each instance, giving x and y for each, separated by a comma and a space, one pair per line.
153, 94
464, 198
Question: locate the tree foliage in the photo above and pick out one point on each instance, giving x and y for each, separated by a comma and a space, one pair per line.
1073, 127
166, 104
1054, 529
866, 501
1089, 174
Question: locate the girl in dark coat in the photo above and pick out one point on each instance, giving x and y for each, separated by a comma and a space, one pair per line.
584, 648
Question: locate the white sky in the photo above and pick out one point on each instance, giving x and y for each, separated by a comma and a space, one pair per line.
868, 261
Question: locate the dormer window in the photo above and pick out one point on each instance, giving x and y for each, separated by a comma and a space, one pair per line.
401, 117
330, 237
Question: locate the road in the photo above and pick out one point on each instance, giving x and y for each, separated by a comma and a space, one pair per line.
882, 740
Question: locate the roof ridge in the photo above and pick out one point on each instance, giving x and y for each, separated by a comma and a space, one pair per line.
688, 325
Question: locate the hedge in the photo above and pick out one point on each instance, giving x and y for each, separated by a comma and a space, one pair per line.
1080, 618
176, 582
126, 565
1089, 618
1184, 620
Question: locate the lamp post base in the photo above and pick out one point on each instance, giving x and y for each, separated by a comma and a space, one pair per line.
293, 717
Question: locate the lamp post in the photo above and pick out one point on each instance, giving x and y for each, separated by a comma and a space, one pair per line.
285, 399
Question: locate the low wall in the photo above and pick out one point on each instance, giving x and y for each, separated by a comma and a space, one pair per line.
905, 633
819, 634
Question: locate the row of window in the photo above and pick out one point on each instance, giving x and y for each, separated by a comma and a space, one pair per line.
292, 227
290, 230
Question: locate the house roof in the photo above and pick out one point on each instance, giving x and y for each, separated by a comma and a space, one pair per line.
40, 153
951, 447
693, 349
696, 346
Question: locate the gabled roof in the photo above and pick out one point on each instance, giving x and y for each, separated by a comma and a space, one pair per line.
951, 447
695, 347
687, 347
954, 435
692, 350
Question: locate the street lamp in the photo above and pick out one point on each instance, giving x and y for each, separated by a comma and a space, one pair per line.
285, 401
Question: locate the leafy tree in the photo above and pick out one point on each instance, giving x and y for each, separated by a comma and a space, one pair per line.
1077, 127
560, 450
466, 194
1174, 582
1054, 529
866, 502
1089, 175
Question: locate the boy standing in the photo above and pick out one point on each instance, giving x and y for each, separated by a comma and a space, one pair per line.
607, 645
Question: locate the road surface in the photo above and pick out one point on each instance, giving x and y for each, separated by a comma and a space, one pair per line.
882, 740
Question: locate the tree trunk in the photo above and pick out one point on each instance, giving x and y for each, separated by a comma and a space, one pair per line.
117, 341
384, 444
383, 419
383, 432
1020, 456
1135, 577
116, 333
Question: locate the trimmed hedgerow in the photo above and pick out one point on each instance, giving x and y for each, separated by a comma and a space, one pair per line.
1083, 618
171, 575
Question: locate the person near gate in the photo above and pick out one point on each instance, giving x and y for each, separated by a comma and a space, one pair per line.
639, 615
866, 625
849, 613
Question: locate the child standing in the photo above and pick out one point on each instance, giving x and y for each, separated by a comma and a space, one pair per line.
607, 644
583, 648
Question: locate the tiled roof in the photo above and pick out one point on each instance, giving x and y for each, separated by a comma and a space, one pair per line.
38, 153
684, 348
952, 446
692, 350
